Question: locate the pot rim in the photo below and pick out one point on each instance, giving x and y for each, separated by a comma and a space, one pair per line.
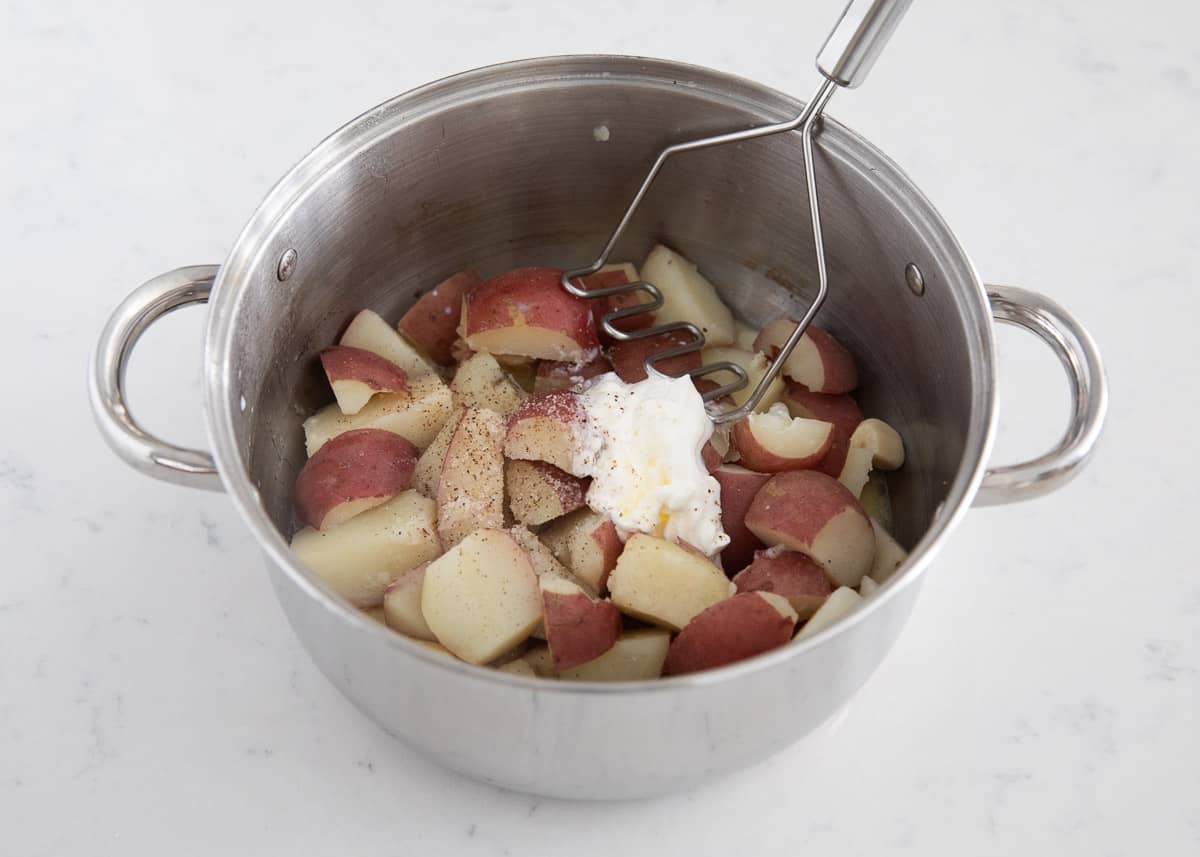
539, 72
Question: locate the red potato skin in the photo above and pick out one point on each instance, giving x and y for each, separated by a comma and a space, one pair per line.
738, 489
711, 458
841, 375
755, 456
560, 407
731, 630
607, 545
610, 545
795, 505
707, 385
354, 465
432, 322
841, 410
627, 356
343, 363
789, 574
532, 297
555, 375
612, 303
578, 629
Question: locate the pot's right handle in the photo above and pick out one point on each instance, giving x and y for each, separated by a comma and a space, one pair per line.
1089, 397
132, 443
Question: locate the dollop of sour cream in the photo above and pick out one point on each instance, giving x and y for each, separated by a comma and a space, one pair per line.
641, 446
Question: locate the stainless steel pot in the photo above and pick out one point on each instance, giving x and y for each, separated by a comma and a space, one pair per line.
504, 166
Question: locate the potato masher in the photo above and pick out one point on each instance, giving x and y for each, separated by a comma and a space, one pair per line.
844, 60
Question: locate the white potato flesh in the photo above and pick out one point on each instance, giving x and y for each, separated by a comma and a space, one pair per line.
755, 365
744, 335
359, 558
688, 296
636, 656
518, 667
842, 601
402, 604
883, 441
481, 382
417, 415
889, 555
663, 583
370, 332
481, 597
856, 470
470, 493
539, 660
781, 434
428, 471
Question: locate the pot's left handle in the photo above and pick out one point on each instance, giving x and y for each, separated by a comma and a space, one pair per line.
133, 444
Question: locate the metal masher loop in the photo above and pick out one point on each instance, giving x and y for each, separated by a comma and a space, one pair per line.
844, 60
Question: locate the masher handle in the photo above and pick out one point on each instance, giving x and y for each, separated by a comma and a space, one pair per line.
858, 38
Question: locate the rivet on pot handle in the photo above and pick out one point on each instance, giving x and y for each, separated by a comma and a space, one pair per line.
1089, 397
133, 444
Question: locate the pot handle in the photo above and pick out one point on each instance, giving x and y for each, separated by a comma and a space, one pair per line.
1089, 397
106, 382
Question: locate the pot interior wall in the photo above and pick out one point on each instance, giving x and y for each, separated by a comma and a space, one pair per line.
511, 173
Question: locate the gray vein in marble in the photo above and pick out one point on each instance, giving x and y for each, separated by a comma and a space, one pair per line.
1002, 783
212, 532
1164, 658
19, 482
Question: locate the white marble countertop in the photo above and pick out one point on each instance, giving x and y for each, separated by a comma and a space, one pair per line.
152, 699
